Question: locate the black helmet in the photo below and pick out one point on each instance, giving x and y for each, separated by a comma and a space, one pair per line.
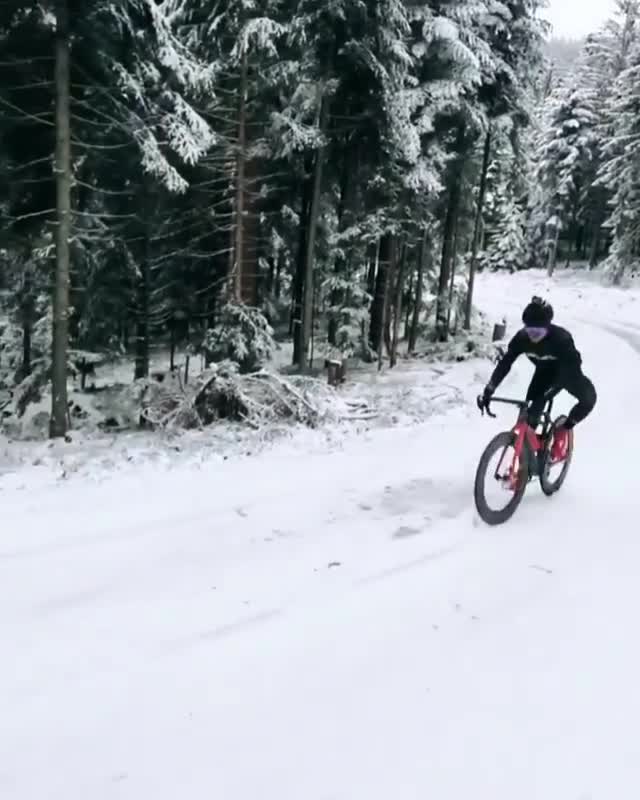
538, 314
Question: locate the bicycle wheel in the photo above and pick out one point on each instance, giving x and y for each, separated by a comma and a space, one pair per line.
501, 444
550, 485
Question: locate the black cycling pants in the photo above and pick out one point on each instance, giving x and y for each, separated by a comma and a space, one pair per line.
575, 382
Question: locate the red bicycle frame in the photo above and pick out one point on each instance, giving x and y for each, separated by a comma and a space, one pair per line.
523, 431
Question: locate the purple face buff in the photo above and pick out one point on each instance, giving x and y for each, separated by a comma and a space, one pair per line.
535, 334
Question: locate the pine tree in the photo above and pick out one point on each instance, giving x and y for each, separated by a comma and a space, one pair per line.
566, 155
575, 183
621, 172
508, 249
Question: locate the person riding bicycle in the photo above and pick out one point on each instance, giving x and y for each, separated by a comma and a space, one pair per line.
558, 365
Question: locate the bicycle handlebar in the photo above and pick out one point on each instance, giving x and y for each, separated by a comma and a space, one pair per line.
509, 401
521, 404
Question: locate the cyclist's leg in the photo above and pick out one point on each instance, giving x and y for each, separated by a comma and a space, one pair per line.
580, 387
584, 391
544, 378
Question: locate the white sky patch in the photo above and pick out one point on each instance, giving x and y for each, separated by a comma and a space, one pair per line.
574, 19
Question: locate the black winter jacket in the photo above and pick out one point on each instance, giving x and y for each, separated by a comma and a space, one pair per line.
555, 352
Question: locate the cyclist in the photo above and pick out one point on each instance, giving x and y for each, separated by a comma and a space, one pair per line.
558, 365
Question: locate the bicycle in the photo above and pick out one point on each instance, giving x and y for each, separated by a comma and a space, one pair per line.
532, 457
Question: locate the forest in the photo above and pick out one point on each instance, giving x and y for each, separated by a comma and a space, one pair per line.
215, 177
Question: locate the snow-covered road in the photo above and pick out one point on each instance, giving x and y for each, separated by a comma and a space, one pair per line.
334, 626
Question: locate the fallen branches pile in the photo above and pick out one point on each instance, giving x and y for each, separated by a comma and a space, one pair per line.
257, 399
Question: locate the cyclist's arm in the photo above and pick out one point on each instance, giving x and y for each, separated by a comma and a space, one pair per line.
568, 355
515, 349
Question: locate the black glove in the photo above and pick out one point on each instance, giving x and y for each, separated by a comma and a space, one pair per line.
485, 398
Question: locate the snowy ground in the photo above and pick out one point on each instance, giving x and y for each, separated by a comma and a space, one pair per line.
332, 622
408, 394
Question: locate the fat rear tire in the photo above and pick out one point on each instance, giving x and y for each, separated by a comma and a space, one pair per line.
551, 487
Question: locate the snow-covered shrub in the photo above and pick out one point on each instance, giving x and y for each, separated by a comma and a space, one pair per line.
242, 336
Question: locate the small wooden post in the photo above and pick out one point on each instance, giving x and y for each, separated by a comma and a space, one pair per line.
336, 371
499, 331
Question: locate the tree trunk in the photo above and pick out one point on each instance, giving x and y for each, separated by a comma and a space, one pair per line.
143, 290
297, 292
477, 230
598, 219
238, 259
142, 322
572, 234
580, 241
27, 314
271, 276
553, 250
250, 269
25, 369
372, 271
376, 326
407, 310
417, 303
277, 288
211, 310
386, 328
595, 247
397, 307
172, 346
26, 347
304, 330
454, 261
386, 268
340, 263
59, 401
445, 267
455, 192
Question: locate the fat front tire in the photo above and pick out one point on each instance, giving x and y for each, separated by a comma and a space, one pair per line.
488, 515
